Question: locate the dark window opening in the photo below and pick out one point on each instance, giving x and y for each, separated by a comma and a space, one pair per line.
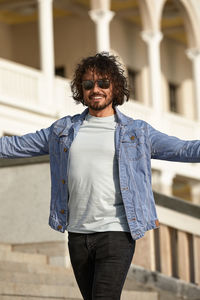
132, 78
173, 97
60, 71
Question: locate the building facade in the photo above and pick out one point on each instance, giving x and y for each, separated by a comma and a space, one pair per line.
158, 43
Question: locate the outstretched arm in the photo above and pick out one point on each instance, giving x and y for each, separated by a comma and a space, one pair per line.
171, 148
32, 144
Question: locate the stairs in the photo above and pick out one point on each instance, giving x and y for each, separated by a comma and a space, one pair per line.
28, 276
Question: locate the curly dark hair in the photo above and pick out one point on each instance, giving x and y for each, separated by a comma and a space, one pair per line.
104, 65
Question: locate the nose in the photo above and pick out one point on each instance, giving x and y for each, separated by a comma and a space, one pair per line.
95, 88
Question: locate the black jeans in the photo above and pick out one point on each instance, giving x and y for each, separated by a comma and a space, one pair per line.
100, 262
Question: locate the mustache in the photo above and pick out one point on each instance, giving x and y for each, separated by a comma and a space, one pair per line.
96, 95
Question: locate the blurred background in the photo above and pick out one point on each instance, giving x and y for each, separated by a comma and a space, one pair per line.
158, 42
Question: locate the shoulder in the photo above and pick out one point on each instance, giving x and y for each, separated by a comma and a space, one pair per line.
131, 122
138, 124
66, 120
64, 124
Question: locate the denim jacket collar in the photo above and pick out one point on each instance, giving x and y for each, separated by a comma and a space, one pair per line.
121, 118
77, 120
80, 118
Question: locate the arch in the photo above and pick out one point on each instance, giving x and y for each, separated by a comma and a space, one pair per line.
178, 28
190, 21
150, 14
145, 15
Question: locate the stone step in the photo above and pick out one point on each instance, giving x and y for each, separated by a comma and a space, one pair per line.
138, 295
28, 276
35, 290
5, 247
30, 292
13, 266
10, 297
53, 278
125, 296
39, 283
57, 279
23, 257
57, 252
48, 248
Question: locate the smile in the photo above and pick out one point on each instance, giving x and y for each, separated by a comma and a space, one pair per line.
97, 98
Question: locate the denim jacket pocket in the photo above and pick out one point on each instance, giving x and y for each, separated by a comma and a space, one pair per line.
134, 146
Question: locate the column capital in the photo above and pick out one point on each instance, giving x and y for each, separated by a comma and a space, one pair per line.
98, 15
151, 36
193, 53
44, 1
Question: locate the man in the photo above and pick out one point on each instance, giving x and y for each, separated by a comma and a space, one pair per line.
101, 175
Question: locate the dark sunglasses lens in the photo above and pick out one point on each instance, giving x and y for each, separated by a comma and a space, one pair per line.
103, 84
88, 84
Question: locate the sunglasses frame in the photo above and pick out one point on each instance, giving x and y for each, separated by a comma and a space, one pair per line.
99, 84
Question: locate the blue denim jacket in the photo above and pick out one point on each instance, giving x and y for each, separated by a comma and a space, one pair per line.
136, 142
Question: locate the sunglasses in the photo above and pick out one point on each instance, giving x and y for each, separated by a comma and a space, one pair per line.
101, 83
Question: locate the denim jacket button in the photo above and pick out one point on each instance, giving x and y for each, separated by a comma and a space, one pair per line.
65, 149
63, 181
132, 137
62, 211
59, 227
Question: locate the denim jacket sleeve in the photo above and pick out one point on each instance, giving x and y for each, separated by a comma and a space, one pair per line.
171, 148
28, 145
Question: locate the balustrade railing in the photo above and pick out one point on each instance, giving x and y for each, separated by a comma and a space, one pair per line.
19, 85
174, 248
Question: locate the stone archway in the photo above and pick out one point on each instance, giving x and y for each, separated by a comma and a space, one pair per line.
151, 14
190, 19
177, 73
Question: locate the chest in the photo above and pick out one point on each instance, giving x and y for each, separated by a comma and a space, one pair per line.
90, 142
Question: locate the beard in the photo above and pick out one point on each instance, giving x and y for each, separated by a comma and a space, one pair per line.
98, 106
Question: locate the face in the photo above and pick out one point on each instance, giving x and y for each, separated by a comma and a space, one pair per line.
99, 100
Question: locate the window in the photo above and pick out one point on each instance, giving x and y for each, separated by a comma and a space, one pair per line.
132, 78
60, 71
173, 97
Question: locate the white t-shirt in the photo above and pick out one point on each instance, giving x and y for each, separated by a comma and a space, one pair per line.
95, 202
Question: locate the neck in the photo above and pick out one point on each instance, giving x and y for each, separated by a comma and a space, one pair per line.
102, 113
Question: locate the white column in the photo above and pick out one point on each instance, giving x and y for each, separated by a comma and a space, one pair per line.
194, 55
153, 40
166, 182
102, 17
45, 8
